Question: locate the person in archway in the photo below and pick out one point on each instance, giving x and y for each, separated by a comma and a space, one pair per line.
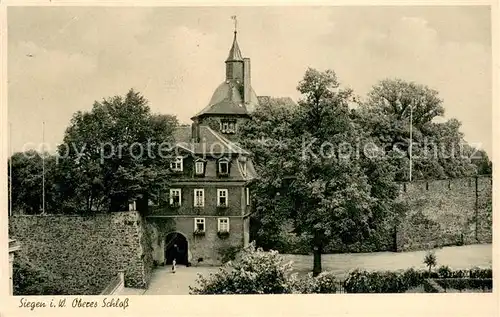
173, 265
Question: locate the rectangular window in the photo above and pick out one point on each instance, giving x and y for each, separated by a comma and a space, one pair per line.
248, 196
199, 197
223, 167
176, 164
175, 197
199, 167
222, 197
223, 224
199, 224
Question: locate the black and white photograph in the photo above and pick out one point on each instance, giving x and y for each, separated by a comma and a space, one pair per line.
207, 150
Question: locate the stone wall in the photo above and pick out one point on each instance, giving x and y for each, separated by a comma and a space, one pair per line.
86, 252
446, 212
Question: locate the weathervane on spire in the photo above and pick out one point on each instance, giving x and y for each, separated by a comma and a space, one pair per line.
233, 17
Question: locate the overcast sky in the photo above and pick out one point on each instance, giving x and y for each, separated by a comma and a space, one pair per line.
60, 60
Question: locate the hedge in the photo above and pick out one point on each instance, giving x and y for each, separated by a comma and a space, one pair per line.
399, 282
461, 284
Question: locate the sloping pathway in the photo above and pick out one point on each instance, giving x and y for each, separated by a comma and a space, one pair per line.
164, 282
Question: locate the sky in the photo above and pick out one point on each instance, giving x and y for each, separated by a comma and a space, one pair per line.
62, 59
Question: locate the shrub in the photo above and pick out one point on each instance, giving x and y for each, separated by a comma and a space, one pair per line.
459, 274
480, 273
461, 284
325, 283
412, 278
255, 272
375, 282
444, 271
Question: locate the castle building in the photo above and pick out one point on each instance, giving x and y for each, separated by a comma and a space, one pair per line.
209, 204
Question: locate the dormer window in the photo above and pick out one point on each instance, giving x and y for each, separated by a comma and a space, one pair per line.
176, 164
223, 169
199, 167
228, 126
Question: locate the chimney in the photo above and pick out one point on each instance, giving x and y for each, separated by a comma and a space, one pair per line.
247, 87
195, 132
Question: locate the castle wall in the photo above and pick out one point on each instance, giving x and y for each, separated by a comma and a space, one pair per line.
86, 252
446, 212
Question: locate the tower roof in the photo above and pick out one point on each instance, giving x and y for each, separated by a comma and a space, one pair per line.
234, 52
227, 99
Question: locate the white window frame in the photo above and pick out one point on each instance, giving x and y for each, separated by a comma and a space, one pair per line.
177, 165
197, 165
227, 166
248, 196
200, 220
222, 193
219, 226
171, 197
195, 201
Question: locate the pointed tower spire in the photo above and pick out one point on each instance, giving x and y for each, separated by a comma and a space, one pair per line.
234, 61
234, 52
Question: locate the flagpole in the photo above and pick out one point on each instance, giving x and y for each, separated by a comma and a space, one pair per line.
411, 137
43, 168
10, 169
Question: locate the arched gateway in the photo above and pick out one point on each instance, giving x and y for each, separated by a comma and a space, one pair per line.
176, 246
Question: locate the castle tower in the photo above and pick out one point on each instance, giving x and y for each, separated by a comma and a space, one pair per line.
233, 100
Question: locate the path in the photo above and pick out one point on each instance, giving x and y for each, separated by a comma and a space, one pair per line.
164, 282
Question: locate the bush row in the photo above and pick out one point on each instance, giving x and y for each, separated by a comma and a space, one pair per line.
399, 282
461, 284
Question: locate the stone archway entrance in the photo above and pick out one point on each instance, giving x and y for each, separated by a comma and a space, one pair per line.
176, 246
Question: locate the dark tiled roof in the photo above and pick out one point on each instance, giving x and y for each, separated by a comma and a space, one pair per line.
227, 99
209, 141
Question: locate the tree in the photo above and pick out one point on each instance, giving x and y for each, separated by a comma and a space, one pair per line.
439, 150
270, 136
115, 154
27, 181
430, 260
483, 163
308, 176
332, 191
